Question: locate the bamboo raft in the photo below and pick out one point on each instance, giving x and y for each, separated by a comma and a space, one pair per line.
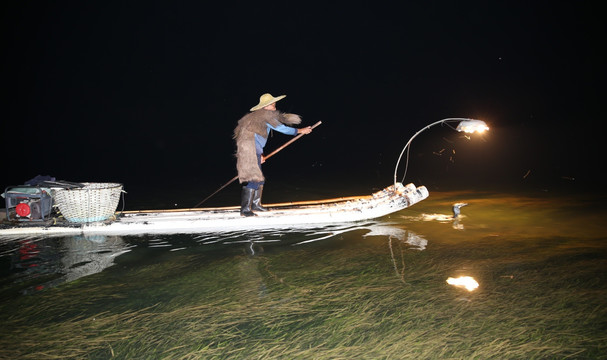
197, 220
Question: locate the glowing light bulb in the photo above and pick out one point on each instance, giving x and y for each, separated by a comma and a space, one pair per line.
470, 126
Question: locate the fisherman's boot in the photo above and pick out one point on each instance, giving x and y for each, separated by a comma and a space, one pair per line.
245, 201
257, 200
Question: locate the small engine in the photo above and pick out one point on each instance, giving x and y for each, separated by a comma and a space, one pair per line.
28, 203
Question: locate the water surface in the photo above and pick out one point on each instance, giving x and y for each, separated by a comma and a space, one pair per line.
375, 289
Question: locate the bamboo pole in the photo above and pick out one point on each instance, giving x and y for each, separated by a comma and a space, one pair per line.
265, 158
277, 205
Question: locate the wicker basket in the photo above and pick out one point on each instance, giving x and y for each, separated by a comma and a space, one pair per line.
91, 203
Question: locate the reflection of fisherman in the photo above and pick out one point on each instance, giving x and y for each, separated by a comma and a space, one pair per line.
251, 135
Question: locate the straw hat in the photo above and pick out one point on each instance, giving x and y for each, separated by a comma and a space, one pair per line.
265, 100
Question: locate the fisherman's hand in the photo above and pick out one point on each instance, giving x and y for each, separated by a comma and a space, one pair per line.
305, 130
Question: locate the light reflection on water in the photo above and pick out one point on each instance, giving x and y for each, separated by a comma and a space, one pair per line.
48, 262
539, 261
68, 258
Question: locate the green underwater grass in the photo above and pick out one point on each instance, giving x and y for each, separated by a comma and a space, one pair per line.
337, 304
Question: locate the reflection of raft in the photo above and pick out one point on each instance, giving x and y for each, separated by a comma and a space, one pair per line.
337, 210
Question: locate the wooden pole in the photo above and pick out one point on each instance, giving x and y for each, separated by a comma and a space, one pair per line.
265, 158
289, 143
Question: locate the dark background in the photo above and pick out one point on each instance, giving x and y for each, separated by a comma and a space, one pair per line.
148, 93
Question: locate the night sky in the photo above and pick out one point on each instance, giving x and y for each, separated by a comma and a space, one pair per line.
147, 93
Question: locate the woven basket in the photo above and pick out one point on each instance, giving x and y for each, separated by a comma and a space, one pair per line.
91, 203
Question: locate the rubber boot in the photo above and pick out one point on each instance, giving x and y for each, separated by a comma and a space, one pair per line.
245, 201
257, 200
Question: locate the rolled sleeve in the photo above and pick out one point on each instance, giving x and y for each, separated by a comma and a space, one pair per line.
282, 128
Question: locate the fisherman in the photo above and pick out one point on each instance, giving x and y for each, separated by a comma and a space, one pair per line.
251, 136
